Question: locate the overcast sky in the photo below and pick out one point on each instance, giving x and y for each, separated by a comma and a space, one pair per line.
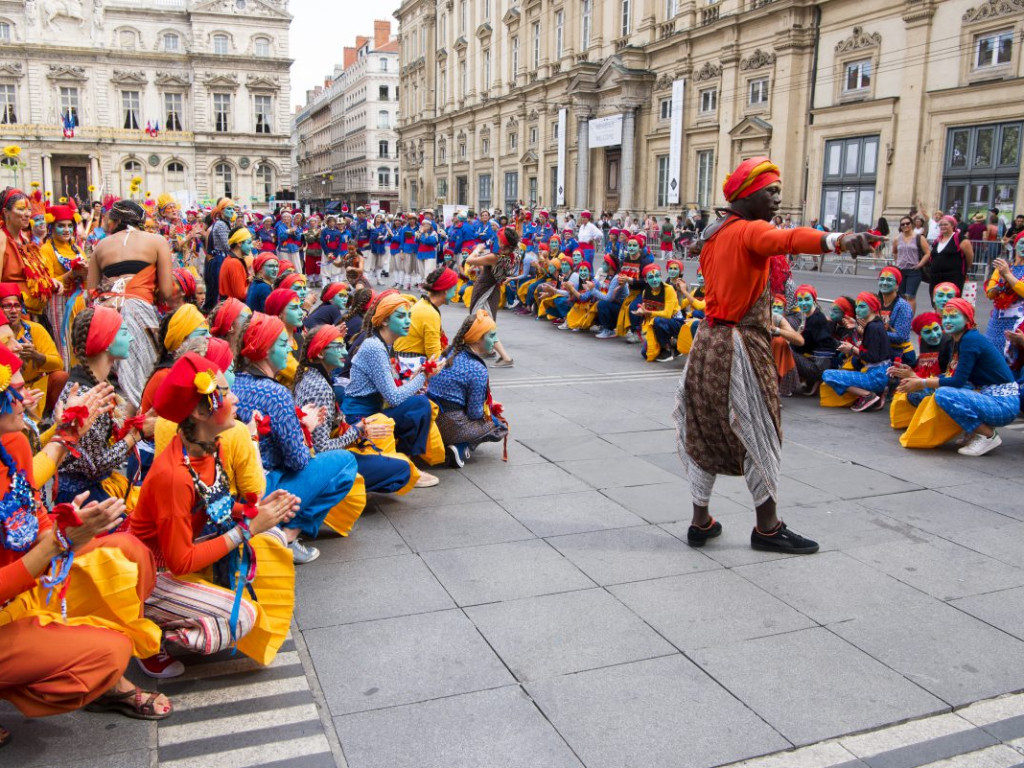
320, 30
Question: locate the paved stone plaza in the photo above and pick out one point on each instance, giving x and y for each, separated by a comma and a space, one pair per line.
546, 613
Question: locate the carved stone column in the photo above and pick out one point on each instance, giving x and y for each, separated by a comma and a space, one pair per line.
583, 115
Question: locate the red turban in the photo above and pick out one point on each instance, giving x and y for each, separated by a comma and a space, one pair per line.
333, 290
805, 288
261, 261
191, 380
964, 307
278, 300
9, 289
219, 353
226, 316
9, 360
291, 280
447, 279
650, 268
324, 335
610, 262
946, 287
678, 264
892, 271
186, 281
750, 176
870, 299
286, 266
106, 322
260, 336
844, 304
925, 318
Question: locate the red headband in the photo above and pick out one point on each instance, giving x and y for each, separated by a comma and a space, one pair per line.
892, 271
219, 353
261, 261
324, 335
186, 282
964, 307
447, 279
924, 319
946, 286
9, 289
648, 269
106, 322
278, 299
260, 336
333, 290
749, 177
678, 264
871, 299
226, 316
844, 304
291, 280
805, 288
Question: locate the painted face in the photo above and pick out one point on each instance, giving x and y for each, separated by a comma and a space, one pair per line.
778, 309
953, 322
201, 332
654, 278
633, 249
932, 334
554, 247
228, 214
862, 310
334, 355
805, 302
1019, 249
340, 301
673, 272
278, 355
229, 375
577, 257
270, 269
400, 321
584, 273
293, 314
301, 289
700, 279
490, 339
566, 267
11, 307
246, 248
886, 283
225, 415
552, 269
122, 343
942, 295
836, 313
450, 293
63, 230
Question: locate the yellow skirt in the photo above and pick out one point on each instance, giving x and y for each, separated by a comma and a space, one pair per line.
275, 598
582, 315
523, 291
543, 305
930, 427
435, 453
622, 326
901, 412
117, 486
684, 341
101, 594
653, 347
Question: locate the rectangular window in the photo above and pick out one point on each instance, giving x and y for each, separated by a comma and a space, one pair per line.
993, 49
757, 93
587, 22
513, 141
463, 80
462, 150
484, 191
444, 87
858, 75
665, 109
532, 185
130, 101
263, 114
559, 33
222, 112
533, 135
462, 17
382, 93
173, 110
383, 177
8, 112
511, 189
171, 43
625, 18
261, 47
554, 130
383, 64
383, 120
848, 193
708, 100
671, 8
5, 32
382, 148
69, 104
515, 59
487, 69
705, 177
662, 181
220, 45
442, 188
536, 44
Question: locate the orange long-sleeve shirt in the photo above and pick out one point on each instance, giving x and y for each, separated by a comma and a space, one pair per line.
735, 263
164, 520
14, 576
234, 279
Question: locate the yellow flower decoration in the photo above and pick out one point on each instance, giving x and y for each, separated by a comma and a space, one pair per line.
12, 150
205, 383
48, 193
63, 200
34, 184
5, 377
136, 180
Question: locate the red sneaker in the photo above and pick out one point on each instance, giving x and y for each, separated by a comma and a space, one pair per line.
162, 666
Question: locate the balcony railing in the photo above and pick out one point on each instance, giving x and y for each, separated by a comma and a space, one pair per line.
710, 14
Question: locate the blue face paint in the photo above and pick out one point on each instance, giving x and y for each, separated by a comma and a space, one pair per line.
654, 279
932, 334
200, 332
122, 343
278, 355
270, 269
450, 293
246, 247
862, 310
886, 283
805, 303
334, 355
229, 375
400, 321
953, 322
293, 314
490, 339
836, 313
340, 301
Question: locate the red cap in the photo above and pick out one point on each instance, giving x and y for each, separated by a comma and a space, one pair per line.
186, 281
650, 268
291, 280
278, 300
260, 261
333, 290
260, 336
186, 385
9, 289
324, 335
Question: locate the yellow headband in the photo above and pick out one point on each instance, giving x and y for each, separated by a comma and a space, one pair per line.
241, 236
481, 326
185, 320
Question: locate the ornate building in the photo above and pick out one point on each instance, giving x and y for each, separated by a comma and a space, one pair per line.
345, 135
189, 95
644, 105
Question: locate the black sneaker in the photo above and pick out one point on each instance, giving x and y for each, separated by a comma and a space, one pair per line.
665, 357
696, 537
456, 460
782, 540
864, 402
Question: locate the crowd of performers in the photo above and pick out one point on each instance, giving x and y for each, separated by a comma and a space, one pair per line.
181, 416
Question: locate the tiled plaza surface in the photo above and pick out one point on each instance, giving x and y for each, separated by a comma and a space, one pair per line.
547, 612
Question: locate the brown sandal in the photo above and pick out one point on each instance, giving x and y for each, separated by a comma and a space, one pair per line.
136, 704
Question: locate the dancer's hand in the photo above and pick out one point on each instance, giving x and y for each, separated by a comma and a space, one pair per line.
275, 508
96, 517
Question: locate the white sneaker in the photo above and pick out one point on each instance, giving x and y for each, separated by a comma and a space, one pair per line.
979, 445
563, 327
632, 338
426, 480
606, 333
595, 328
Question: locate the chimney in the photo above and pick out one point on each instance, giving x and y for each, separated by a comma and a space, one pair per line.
381, 33
349, 57
328, 82
361, 41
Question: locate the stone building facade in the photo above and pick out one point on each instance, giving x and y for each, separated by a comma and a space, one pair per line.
867, 105
346, 134
211, 75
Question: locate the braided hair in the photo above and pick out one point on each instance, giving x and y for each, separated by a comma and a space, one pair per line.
127, 213
358, 303
79, 339
433, 277
459, 343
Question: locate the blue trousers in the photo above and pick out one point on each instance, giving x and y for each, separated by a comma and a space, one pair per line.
531, 291
635, 320
971, 409
608, 313
560, 307
322, 483
873, 380
412, 419
382, 474
666, 329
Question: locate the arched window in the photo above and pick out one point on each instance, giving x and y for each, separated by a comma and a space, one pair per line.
261, 47
220, 44
175, 175
223, 180
264, 181
130, 170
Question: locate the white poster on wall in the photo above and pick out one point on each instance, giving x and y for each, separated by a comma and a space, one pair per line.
675, 142
560, 173
605, 131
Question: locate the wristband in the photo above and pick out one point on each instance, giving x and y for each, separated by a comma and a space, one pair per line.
236, 536
833, 240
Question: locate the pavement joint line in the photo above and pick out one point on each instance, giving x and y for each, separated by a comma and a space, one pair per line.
320, 700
